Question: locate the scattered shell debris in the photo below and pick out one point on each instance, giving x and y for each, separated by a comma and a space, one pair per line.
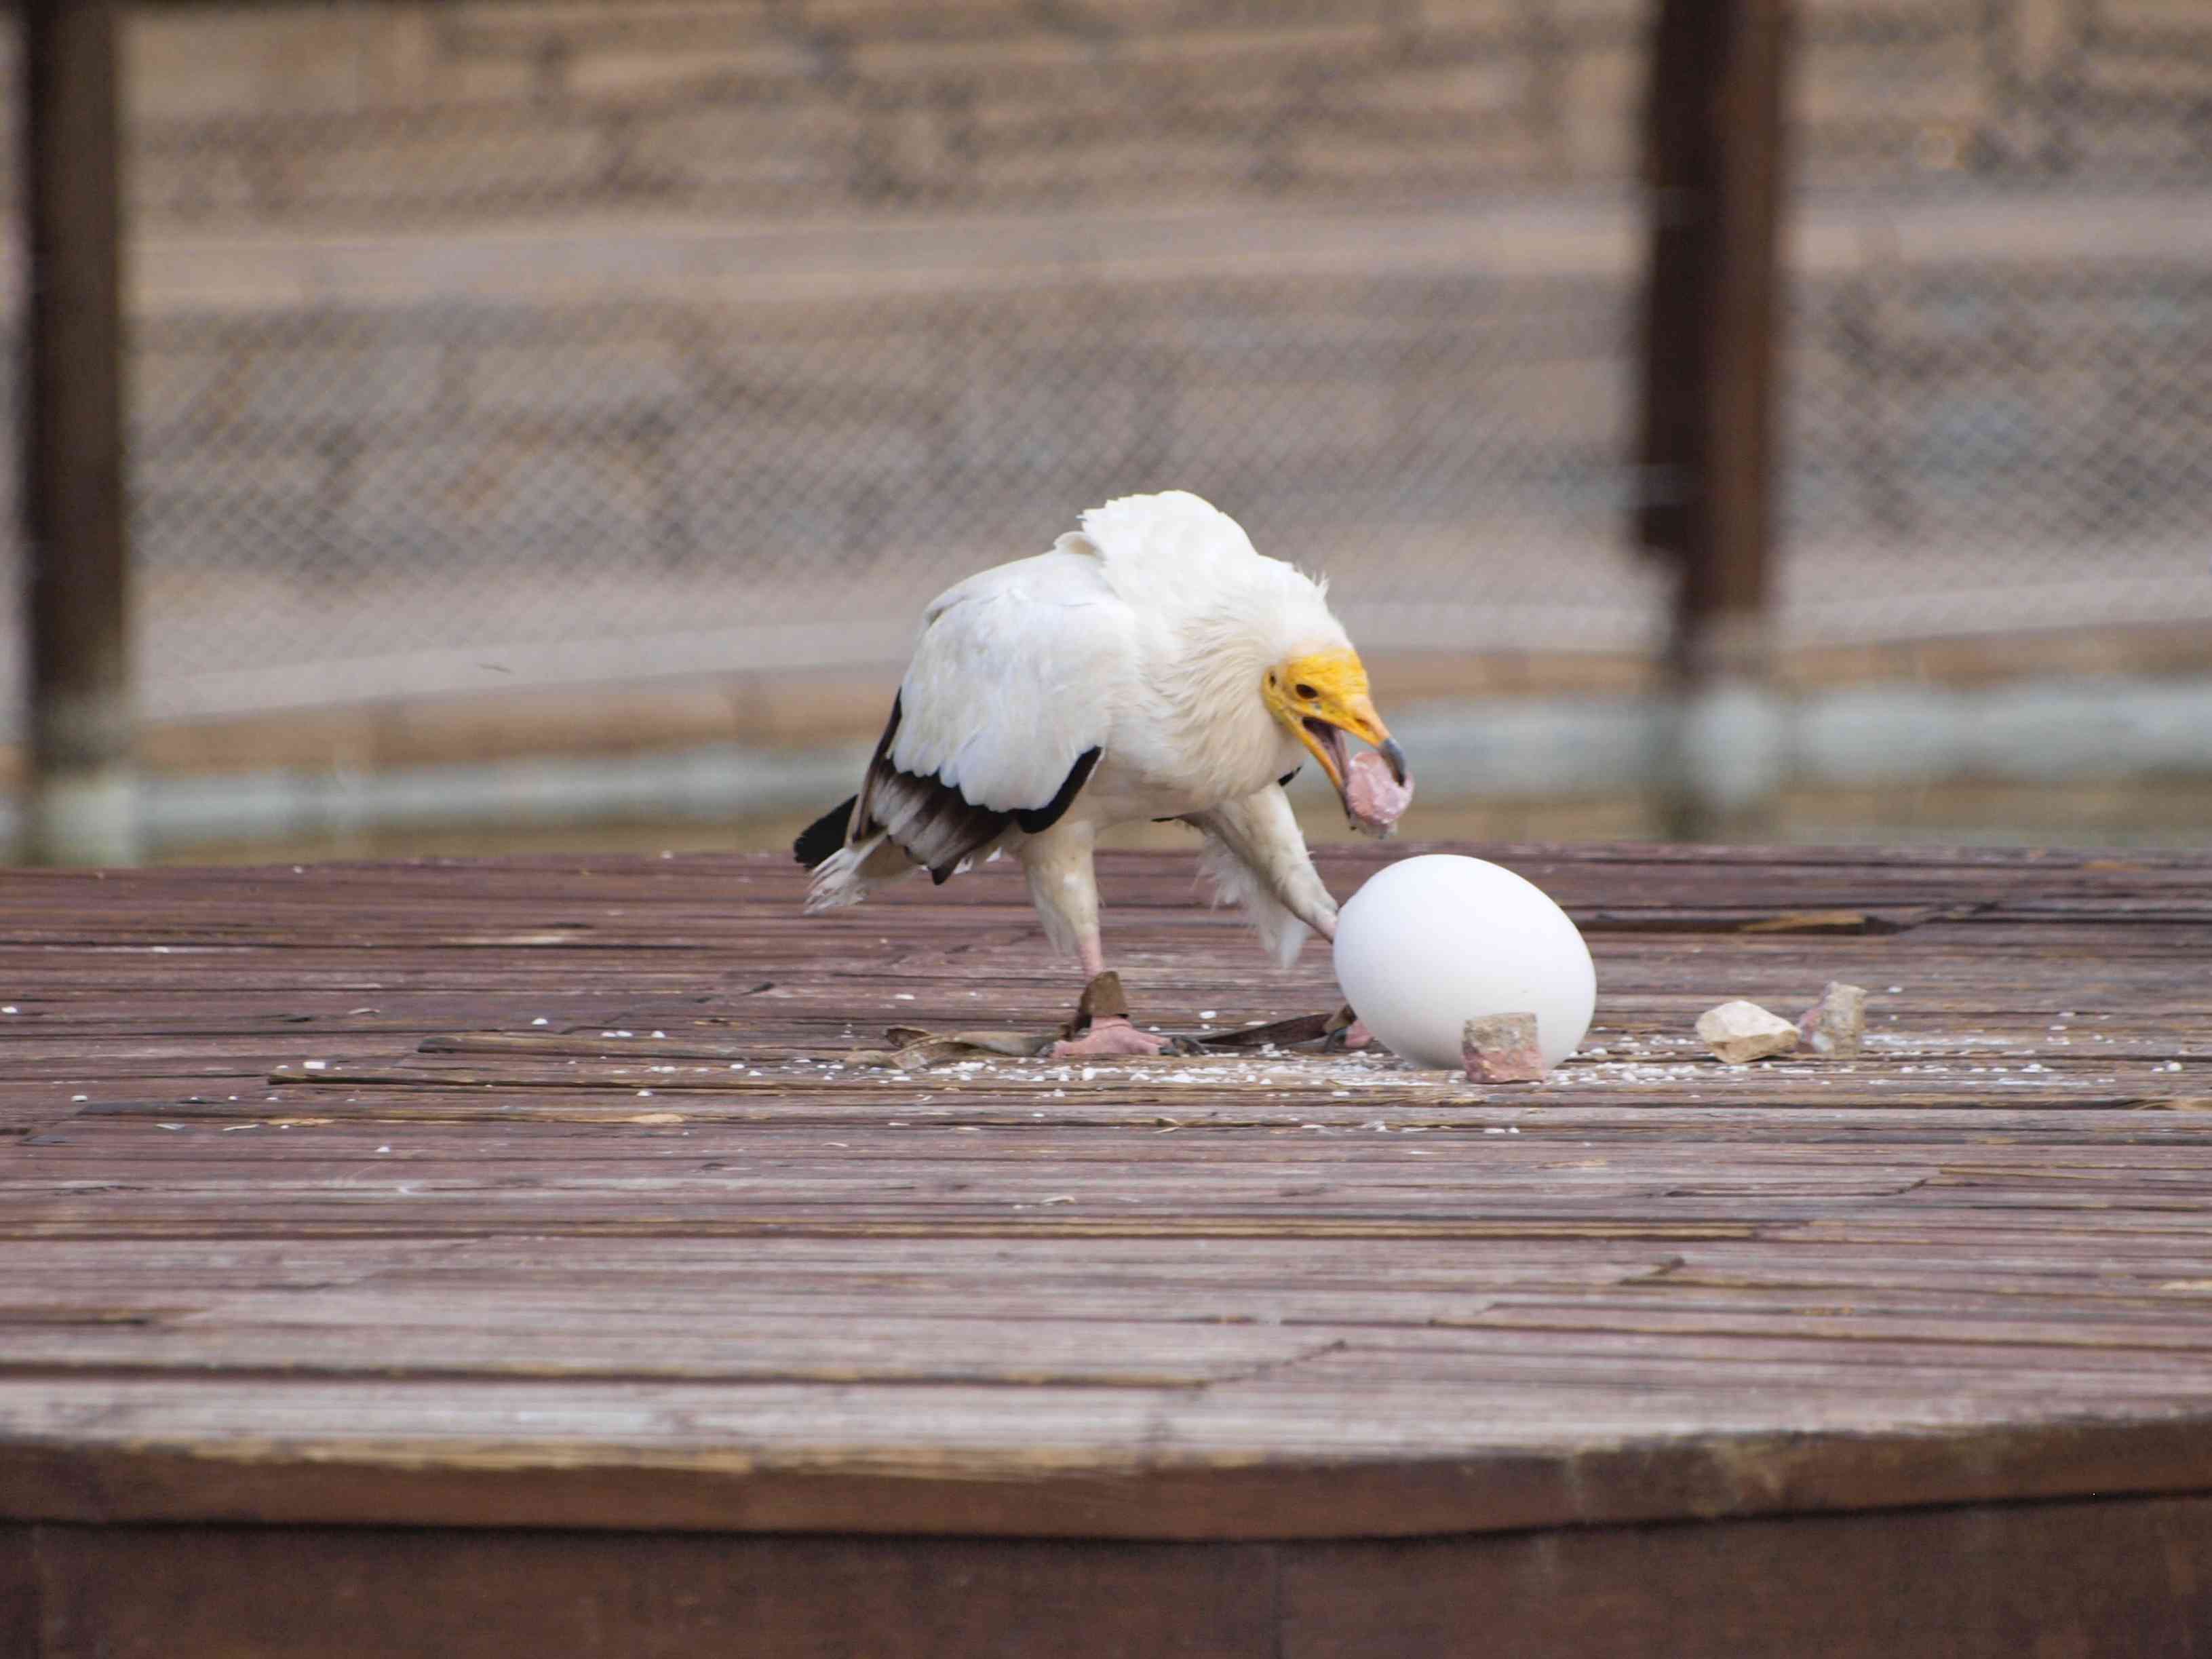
1285, 1058
1652, 1059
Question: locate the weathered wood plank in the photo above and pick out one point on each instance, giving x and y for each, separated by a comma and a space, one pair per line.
1353, 1462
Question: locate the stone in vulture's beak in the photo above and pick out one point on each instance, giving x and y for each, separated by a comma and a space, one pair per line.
1323, 698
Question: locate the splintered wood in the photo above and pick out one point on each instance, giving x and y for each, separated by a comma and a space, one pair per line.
581, 1192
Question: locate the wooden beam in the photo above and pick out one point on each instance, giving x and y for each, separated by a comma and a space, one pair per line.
79, 806
2120, 1576
1714, 166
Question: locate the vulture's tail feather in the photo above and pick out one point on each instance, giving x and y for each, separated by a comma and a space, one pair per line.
823, 837
846, 875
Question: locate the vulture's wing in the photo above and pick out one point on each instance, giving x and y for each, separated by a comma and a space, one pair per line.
1003, 711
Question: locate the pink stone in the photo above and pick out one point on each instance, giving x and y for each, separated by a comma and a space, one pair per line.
1836, 1024
1502, 1048
1375, 800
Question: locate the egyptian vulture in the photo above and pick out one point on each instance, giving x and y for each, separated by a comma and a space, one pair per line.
1151, 666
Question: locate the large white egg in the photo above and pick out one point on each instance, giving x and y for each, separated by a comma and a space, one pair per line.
1433, 942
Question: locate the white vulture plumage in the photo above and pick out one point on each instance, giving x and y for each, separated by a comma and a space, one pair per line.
1151, 666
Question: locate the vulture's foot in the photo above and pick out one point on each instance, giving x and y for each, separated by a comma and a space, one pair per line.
1111, 1038
1101, 1029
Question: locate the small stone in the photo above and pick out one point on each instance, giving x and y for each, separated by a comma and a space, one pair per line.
1373, 800
1502, 1048
1741, 1032
1835, 1025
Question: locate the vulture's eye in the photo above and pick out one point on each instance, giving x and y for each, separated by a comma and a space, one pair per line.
1306, 693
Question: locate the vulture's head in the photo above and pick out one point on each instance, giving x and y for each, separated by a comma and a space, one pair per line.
1321, 697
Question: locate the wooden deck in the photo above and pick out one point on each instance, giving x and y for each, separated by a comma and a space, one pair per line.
497, 1258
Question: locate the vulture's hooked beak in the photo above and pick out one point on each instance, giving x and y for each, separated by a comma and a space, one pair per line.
1324, 698
1324, 735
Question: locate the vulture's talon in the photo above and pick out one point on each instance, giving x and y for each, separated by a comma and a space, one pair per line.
1347, 1034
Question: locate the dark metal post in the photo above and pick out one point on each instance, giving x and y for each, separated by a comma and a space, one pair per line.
1714, 169
80, 805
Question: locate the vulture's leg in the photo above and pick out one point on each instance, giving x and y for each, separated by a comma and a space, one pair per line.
1064, 890
1257, 857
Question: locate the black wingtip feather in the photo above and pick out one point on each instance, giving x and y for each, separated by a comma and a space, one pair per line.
825, 834
1037, 820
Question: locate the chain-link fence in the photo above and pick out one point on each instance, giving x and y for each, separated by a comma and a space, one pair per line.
496, 340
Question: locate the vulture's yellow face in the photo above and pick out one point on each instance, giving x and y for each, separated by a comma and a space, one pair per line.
1321, 696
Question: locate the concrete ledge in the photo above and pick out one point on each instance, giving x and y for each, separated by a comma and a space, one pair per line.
1592, 745
846, 705
1499, 727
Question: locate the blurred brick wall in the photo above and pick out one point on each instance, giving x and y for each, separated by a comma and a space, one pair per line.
334, 112
506, 341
